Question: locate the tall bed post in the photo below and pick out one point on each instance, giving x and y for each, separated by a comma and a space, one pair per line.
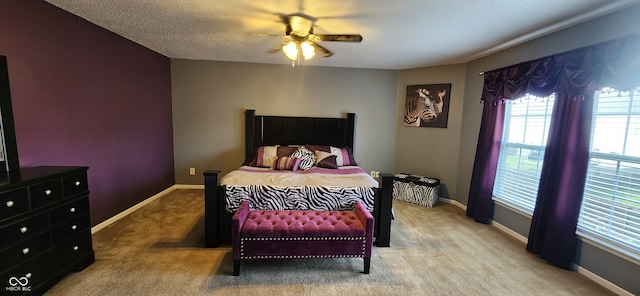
249, 131
351, 131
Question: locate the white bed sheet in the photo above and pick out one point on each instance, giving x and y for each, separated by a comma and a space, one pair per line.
345, 176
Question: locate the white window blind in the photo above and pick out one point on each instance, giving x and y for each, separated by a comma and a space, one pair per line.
526, 129
611, 206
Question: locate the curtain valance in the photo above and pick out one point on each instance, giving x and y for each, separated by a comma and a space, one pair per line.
614, 63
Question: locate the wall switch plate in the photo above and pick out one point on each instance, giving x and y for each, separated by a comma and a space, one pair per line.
192, 171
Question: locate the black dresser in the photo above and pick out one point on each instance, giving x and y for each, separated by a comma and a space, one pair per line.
45, 229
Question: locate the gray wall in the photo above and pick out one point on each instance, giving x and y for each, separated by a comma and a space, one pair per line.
209, 99
618, 271
431, 151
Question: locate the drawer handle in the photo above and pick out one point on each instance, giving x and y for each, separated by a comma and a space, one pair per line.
47, 192
25, 251
10, 204
77, 183
75, 248
24, 229
73, 227
72, 210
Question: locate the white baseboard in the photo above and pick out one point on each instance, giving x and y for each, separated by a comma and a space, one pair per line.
581, 270
130, 210
453, 202
602, 282
510, 232
188, 186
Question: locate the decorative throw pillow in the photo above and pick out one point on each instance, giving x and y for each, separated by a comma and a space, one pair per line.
344, 156
307, 158
286, 150
314, 148
253, 158
266, 155
259, 154
320, 155
328, 162
286, 164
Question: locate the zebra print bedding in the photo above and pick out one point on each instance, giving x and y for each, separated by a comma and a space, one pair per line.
315, 189
264, 197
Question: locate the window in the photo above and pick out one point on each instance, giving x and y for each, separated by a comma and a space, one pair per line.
526, 128
611, 206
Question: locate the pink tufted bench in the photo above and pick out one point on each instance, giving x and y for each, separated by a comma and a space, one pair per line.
260, 234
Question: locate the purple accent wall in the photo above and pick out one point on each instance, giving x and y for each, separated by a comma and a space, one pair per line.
85, 96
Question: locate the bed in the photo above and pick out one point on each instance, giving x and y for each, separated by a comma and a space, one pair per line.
223, 194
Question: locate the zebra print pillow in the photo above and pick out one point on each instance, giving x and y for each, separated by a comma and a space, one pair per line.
307, 158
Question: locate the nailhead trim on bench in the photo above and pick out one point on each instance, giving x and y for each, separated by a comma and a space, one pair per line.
242, 240
301, 238
302, 257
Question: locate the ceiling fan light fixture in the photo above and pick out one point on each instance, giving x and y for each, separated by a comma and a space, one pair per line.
308, 51
291, 50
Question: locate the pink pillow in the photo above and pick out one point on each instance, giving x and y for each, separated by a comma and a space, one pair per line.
286, 163
344, 156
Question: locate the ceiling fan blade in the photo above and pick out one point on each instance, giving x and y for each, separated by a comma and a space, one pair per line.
277, 48
340, 37
323, 51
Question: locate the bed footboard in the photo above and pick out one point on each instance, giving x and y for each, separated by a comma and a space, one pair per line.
217, 222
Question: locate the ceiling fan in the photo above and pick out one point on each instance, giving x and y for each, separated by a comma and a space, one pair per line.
302, 42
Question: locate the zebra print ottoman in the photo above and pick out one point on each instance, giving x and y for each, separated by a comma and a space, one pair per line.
416, 189
262, 234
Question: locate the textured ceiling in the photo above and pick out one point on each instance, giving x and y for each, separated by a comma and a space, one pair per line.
396, 34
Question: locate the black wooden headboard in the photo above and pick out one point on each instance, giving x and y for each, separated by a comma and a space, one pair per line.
263, 130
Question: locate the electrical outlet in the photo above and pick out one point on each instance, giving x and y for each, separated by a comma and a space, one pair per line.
192, 171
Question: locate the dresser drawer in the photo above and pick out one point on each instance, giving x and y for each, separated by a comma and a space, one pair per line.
71, 228
23, 229
28, 275
13, 203
75, 184
25, 250
71, 210
46, 192
74, 249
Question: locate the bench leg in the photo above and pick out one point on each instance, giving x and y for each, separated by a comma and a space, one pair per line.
367, 265
236, 267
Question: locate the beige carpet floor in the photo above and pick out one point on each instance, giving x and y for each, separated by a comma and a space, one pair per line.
157, 250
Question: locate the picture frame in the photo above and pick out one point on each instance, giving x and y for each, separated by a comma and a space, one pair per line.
427, 105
